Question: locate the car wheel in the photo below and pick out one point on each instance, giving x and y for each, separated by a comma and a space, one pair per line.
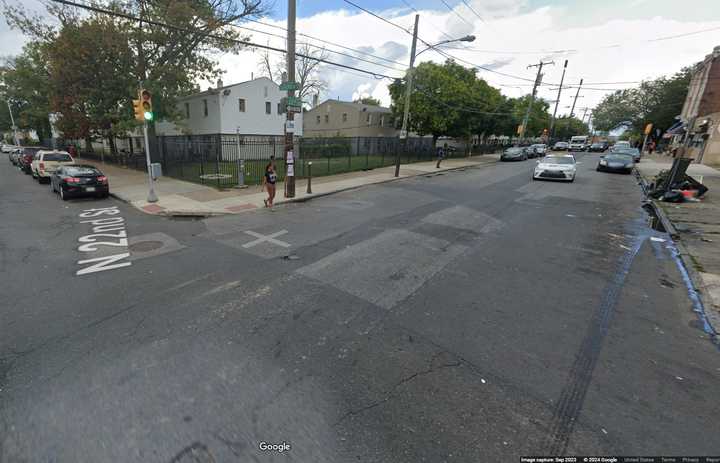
62, 194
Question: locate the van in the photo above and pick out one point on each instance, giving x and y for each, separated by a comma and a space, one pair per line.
578, 143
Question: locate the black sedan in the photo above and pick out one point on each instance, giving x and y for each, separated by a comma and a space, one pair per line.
73, 181
598, 147
514, 154
616, 162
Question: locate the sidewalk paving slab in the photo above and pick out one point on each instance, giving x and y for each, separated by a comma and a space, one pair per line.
182, 198
697, 226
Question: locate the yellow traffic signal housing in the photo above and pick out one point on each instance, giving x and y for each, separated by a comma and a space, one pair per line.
138, 110
146, 101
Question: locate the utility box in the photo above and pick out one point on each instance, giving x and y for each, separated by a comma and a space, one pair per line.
155, 170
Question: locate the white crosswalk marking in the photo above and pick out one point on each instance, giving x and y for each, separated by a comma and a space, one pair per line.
266, 239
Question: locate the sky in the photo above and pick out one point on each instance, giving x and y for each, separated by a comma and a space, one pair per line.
604, 41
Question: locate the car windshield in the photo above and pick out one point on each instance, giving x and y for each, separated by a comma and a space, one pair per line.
513, 151
58, 157
82, 170
558, 160
627, 150
618, 157
538, 146
560, 143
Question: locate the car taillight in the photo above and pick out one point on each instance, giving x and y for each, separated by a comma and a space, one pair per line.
72, 180
102, 179
42, 166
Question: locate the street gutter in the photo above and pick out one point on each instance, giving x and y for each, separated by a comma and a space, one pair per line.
697, 284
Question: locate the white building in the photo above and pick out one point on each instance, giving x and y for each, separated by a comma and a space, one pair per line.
249, 108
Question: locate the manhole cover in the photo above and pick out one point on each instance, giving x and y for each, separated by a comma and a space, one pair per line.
146, 246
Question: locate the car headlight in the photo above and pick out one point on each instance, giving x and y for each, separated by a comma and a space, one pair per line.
603, 162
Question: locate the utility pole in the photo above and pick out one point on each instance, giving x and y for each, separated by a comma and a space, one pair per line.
538, 80
14, 127
572, 111
290, 115
408, 91
552, 122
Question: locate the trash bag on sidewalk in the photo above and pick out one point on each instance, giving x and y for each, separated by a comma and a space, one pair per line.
673, 196
675, 179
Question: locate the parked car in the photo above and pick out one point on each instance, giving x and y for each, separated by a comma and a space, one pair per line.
529, 151
621, 144
25, 157
514, 153
72, 181
598, 147
634, 152
6, 148
13, 155
616, 162
561, 146
45, 162
556, 167
540, 149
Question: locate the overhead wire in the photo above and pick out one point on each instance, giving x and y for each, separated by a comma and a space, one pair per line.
215, 36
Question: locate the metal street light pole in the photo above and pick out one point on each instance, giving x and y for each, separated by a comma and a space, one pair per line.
409, 84
12, 120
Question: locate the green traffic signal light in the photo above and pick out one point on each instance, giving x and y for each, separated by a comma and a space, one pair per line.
148, 116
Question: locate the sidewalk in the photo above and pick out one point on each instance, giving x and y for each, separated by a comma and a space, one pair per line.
181, 198
697, 227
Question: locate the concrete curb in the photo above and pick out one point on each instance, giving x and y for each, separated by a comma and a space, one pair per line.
699, 285
379, 182
177, 213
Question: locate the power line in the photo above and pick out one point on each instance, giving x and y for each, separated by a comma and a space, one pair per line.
456, 13
326, 41
431, 24
473, 10
378, 17
321, 48
214, 36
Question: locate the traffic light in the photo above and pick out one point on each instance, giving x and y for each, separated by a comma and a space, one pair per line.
137, 109
146, 100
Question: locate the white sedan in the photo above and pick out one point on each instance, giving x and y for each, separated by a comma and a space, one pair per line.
556, 167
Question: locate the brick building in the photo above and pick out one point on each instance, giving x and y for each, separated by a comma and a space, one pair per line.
701, 111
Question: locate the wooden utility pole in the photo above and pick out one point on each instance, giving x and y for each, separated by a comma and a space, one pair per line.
408, 91
290, 114
538, 80
552, 122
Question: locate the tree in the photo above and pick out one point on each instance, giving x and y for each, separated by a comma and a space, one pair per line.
169, 61
368, 100
25, 85
566, 127
447, 100
655, 101
307, 70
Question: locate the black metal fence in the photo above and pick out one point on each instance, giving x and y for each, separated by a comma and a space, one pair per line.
216, 159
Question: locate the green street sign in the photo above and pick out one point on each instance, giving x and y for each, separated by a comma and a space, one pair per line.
289, 86
294, 101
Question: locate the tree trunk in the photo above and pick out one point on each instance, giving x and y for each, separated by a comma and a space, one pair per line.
88, 144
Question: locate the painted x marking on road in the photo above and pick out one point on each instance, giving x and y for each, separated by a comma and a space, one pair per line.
266, 238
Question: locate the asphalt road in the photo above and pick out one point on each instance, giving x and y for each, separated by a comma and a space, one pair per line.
469, 316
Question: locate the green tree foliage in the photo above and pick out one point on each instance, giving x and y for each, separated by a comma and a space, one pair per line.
655, 101
566, 127
99, 60
24, 83
448, 100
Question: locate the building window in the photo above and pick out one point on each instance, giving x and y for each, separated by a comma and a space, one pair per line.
382, 121
279, 108
344, 117
241, 105
268, 108
187, 110
317, 119
327, 119
369, 119
205, 110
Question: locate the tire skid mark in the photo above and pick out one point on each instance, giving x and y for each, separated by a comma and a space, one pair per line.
572, 397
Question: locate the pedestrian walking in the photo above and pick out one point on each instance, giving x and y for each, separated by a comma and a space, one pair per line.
651, 147
441, 152
268, 182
